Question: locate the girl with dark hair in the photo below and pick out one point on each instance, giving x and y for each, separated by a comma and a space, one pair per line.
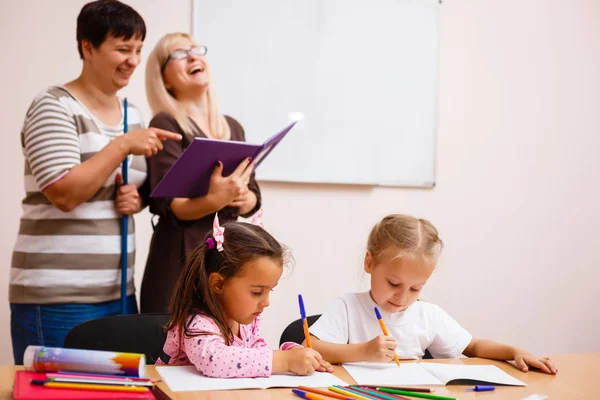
217, 304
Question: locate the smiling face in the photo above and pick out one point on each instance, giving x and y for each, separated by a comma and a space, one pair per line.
397, 281
188, 75
114, 61
245, 295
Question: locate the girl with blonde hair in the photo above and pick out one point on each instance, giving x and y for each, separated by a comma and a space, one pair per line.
402, 252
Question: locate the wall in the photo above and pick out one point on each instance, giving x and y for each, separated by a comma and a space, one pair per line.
517, 195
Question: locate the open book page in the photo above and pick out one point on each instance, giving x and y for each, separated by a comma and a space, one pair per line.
407, 374
484, 373
187, 378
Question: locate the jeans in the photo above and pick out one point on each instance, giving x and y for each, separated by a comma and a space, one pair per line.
49, 324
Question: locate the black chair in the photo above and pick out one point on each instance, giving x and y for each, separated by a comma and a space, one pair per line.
295, 333
134, 333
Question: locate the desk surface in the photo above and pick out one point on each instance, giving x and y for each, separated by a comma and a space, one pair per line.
578, 378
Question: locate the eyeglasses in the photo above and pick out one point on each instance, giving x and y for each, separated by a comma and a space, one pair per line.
179, 54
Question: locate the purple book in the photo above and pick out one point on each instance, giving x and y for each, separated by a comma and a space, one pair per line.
190, 175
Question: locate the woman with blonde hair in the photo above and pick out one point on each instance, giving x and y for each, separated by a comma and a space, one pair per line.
181, 95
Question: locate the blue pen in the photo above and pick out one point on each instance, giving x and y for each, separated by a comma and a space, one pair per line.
481, 388
304, 321
125, 224
306, 395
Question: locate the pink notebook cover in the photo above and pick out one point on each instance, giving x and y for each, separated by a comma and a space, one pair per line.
24, 390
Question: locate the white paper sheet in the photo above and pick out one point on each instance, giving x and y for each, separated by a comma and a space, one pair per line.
187, 378
390, 374
485, 373
426, 374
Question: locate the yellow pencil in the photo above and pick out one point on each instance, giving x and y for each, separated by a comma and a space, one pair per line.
348, 393
88, 386
385, 332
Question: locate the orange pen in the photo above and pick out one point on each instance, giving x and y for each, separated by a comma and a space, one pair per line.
304, 321
385, 332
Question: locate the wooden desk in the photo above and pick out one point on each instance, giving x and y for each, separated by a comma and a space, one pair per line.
578, 378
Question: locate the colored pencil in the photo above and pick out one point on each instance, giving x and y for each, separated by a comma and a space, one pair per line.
116, 382
356, 392
377, 394
415, 394
83, 375
85, 386
324, 392
307, 395
410, 389
349, 393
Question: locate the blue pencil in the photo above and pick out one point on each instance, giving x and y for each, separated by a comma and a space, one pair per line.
125, 225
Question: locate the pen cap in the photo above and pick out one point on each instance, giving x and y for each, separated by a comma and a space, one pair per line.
301, 304
377, 313
298, 392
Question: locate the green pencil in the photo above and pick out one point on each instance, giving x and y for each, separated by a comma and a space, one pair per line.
415, 394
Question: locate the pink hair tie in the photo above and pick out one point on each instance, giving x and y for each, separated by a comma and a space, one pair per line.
210, 242
218, 233
257, 218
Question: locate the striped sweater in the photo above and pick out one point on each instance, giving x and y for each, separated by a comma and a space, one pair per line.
69, 257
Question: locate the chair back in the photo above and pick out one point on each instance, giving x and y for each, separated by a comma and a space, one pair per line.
295, 331
133, 333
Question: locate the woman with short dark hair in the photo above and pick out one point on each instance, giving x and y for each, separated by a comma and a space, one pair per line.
66, 261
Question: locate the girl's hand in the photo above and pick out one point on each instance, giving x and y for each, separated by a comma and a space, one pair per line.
303, 361
524, 359
128, 200
380, 349
325, 366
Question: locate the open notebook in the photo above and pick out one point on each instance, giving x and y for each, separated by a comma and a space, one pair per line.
187, 378
427, 374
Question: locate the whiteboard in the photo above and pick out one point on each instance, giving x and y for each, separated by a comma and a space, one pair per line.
362, 74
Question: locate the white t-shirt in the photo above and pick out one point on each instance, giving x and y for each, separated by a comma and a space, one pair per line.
422, 326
